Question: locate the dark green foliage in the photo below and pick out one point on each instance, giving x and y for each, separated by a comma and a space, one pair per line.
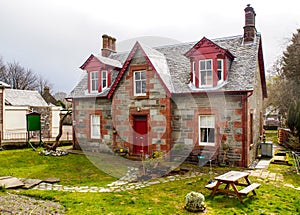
293, 120
291, 65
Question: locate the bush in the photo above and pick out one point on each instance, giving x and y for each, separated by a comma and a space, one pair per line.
194, 202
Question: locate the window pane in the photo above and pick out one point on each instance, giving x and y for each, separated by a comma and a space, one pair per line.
203, 78
208, 64
211, 135
143, 86
138, 87
209, 78
137, 75
202, 65
143, 75
219, 64
219, 75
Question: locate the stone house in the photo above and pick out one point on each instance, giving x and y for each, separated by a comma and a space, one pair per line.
202, 98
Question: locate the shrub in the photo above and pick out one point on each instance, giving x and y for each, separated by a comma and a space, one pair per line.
194, 202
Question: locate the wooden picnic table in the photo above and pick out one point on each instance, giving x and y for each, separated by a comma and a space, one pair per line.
230, 180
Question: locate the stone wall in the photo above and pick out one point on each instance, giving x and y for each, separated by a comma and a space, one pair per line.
255, 107
228, 124
46, 120
83, 109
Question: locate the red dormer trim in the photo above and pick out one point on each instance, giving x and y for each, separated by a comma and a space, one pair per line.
94, 64
205, 49
206, 46
135, 48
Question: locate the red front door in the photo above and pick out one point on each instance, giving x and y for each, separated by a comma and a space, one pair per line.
140, 139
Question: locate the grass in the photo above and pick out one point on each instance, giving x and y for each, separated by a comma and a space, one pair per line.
165, 198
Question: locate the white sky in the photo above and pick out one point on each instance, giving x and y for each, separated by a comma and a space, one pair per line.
54, 37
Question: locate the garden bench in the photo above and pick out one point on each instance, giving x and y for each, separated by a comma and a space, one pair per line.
211, 185
249, 188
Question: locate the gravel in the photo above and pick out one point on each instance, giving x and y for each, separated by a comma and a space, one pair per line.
17, 204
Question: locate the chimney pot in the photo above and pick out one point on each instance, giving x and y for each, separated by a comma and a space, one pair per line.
114, 44
108, 45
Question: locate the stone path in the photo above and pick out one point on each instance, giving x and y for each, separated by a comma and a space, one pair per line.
125, 184
116, 186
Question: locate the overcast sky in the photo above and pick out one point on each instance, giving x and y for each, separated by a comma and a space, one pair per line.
54, 37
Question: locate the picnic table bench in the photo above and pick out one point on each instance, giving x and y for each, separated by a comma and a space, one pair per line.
231, 179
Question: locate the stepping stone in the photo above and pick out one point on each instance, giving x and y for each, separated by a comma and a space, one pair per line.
29, 183
10, 182
51, 180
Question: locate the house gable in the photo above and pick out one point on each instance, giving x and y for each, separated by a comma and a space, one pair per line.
155, 60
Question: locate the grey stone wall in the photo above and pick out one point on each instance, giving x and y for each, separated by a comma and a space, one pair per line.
84, 108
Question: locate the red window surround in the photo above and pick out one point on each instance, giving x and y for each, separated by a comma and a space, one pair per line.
108, 70
195, 67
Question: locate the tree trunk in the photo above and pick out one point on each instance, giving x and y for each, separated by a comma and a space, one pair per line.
60, 132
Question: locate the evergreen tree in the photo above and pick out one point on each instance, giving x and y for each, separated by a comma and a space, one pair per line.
291, 65
293, 120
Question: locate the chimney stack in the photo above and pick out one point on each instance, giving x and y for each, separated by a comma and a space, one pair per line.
249, 28
108, 45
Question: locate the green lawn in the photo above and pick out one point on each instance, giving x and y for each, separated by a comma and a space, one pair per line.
167, 198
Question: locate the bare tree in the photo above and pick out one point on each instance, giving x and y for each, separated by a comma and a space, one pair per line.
2, 66
60, 131
42, 83
21, 78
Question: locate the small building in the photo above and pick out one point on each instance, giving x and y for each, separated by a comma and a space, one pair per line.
16, 104
203, 97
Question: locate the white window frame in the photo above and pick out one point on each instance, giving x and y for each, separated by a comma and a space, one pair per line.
194, 73
221, 70
104, 78
206, 70
95, 126
141, 82
94, 81
206, 122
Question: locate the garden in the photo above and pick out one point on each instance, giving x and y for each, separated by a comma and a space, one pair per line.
273, 197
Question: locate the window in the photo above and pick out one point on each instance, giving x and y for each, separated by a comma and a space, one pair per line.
104, 79
95, 126
207, 130
140, 83
94, 81
220, 71
205, 72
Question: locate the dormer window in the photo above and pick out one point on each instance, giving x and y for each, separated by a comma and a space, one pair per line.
220, 71
140, 83
209, 64
94, 82
205, 72
104, 80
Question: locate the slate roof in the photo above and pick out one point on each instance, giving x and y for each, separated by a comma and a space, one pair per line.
174, 68
24, 98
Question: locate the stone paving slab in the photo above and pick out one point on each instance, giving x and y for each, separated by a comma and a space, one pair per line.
29, 182
10, 182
